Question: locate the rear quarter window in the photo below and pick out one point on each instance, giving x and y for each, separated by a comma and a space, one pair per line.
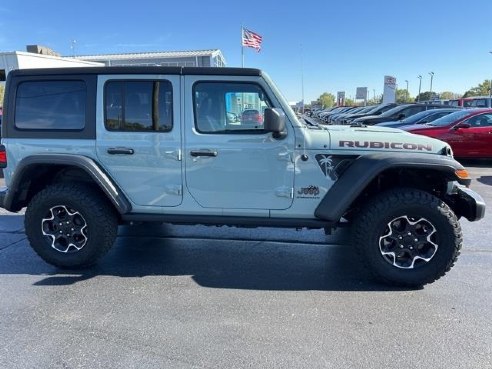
50, 105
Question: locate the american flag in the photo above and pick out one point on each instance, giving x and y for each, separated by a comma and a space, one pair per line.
251, 39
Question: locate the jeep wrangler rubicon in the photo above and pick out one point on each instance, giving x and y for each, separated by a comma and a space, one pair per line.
87, 149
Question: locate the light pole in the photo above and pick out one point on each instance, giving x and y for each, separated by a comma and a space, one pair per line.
408, 96
432, 76
420, 86
490, 87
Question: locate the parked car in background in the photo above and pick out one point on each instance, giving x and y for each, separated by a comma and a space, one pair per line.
376, 110
324, 116
469, 132
398, 113
477, 102
252, 116
425, 116
330, 118
341, 117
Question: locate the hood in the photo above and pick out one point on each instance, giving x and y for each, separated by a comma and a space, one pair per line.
354, 140
424, 127
364, 117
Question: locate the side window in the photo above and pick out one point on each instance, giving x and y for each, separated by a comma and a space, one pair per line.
138, 106
482, 120
50, 105
225, 107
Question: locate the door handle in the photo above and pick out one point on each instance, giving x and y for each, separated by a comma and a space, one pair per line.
210, 153
120, 151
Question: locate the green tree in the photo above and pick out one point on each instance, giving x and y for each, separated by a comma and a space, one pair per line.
350, 102
480, 90
326, 100
425, 96
448, 95
375, 100
402, 96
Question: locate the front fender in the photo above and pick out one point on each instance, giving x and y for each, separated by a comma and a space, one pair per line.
367, 167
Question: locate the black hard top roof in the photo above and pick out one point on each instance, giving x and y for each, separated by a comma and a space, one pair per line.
139, 70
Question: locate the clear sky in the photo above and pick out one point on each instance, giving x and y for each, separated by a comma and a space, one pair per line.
339, 45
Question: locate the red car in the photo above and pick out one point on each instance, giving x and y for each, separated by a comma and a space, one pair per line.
469, 132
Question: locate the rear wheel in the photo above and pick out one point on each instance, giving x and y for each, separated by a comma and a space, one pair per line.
407, 237
70, 226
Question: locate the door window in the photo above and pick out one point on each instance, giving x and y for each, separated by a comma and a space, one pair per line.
222, 107
138, 106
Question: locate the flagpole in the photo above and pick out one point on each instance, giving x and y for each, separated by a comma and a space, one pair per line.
242, 47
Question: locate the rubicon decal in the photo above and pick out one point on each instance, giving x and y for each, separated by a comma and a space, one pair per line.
385, 145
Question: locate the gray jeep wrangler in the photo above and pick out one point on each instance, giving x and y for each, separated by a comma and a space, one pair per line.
87, 149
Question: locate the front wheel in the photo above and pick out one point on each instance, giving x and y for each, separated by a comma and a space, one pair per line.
407, 237
70, 226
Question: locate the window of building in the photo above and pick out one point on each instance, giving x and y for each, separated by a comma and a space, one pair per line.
222, 107
138, 106
51, 105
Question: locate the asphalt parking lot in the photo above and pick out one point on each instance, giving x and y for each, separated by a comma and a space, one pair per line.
198, 297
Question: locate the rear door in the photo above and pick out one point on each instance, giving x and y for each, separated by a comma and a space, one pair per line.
139, 137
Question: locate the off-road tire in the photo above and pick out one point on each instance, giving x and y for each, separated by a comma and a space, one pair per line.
375, 219
94, 209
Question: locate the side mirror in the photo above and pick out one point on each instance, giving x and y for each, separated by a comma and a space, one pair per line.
461, 125
275, 122
401, 116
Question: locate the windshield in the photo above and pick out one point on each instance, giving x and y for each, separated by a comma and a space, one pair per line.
285, 105
393, 111
450, 118
417, 117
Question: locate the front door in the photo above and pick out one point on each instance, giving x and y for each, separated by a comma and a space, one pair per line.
231, 161
139, 137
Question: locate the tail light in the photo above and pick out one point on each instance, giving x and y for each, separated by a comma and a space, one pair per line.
259, 118
3, 157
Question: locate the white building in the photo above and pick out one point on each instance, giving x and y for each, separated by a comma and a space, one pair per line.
23, 60
196, 58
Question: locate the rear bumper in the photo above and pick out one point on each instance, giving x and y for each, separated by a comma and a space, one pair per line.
470, 204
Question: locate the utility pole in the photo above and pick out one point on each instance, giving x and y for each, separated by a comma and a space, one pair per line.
420, 86
432, 76
408, 96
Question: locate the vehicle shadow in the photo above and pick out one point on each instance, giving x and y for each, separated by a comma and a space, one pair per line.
214, 262
477, 163
487, 180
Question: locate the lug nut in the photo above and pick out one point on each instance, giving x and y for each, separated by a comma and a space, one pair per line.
401, 246
409, 233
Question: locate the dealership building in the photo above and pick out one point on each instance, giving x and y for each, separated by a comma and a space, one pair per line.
192, 58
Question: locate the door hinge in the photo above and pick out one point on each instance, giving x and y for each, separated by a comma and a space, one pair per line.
284, 156
174, 190
285, 192
174, 154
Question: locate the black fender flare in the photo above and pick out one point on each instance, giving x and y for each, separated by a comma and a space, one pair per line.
88, 165
365, 168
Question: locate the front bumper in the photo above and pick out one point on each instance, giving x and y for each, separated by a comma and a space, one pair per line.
469, 203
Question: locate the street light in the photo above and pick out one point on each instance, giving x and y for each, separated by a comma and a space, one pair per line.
432, 76
490, 87
420, 86
408, 96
